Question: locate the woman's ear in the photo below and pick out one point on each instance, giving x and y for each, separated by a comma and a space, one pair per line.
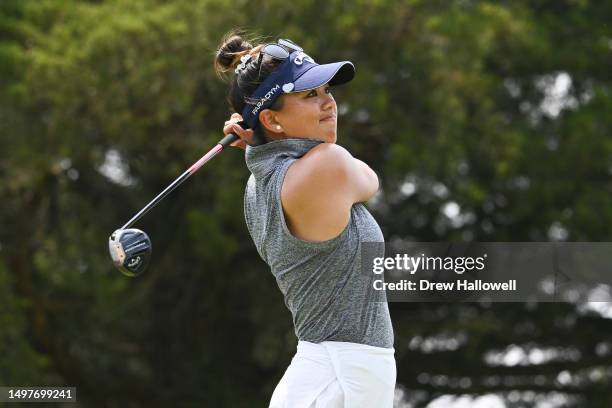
268, 121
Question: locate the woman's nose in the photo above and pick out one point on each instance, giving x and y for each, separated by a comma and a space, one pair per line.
328, 100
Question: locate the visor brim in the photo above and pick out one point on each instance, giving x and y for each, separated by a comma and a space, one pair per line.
335, 73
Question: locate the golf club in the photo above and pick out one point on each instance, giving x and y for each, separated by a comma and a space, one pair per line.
130, 248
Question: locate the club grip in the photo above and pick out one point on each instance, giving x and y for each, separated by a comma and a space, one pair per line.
228, 140
231, 138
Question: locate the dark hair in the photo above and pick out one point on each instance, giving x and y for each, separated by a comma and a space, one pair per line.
246, 81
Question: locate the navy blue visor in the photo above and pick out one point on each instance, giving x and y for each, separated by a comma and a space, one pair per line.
297, 73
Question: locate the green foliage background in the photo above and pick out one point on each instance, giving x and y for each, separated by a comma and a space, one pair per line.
451, 105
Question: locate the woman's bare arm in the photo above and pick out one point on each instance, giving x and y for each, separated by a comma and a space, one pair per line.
320, 189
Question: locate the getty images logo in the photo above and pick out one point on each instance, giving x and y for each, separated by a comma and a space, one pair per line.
265, 98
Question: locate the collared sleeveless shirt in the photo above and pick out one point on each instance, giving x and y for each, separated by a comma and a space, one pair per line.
329, 296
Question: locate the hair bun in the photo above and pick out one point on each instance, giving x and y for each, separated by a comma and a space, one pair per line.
232, 48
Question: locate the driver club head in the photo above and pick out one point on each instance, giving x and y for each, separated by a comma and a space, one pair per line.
130, 250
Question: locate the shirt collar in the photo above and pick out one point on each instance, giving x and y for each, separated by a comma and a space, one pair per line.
263, 159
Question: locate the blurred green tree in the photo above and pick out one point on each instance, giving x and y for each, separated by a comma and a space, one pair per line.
486, 121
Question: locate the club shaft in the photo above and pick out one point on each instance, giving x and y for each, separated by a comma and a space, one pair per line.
227, 140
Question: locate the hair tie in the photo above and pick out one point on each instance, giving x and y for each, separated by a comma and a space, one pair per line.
244, 60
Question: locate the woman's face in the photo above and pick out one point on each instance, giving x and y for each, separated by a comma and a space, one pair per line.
309, 115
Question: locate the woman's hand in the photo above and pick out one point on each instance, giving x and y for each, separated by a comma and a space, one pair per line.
245, 135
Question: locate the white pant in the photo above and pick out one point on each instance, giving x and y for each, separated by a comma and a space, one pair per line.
336, 374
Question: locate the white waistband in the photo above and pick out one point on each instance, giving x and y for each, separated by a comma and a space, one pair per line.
342, 345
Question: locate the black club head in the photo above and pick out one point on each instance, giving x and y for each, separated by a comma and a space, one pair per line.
130, 250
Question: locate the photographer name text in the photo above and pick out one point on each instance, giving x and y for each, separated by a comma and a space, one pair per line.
460, 285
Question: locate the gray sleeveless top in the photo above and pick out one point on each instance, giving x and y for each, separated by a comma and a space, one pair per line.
329, 296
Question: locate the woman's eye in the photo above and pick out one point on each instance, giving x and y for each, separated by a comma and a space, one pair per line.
314, 92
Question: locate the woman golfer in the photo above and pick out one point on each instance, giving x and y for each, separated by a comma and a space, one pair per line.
303, 208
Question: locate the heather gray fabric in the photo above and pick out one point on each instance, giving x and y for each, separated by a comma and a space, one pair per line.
329, 297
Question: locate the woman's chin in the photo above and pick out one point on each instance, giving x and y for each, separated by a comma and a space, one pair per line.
329, 134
